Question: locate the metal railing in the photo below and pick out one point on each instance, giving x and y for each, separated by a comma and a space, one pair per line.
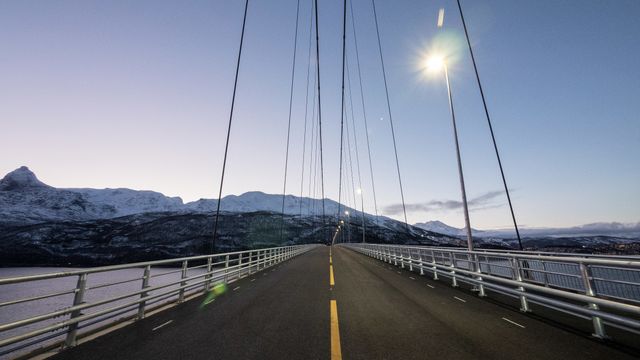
104, 296
603, 289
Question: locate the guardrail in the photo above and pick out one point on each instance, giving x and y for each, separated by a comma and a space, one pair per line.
606, 290
104, 296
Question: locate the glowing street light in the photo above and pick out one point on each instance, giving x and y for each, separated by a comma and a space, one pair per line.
434, 63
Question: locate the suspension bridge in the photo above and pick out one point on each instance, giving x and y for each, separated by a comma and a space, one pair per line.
342, 296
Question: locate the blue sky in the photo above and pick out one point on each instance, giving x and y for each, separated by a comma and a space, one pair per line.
136, 94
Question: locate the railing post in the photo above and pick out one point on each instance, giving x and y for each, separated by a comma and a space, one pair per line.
226, 268
78, 299
145, 284
481, 291
401, 258
250, 262
598, 325
239, 265
524, 304
395, 257
410, 251
454, 280
421, 261
207, 284
183, 283
434, 267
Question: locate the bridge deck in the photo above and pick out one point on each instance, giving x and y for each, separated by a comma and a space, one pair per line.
283, 312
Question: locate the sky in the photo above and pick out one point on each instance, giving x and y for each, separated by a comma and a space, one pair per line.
137, 94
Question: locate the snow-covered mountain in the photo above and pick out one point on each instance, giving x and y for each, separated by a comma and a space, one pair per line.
25, 199
616, 229
442, 228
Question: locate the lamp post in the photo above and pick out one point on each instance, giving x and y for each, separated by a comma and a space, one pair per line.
435, 63
364, 229
348, 226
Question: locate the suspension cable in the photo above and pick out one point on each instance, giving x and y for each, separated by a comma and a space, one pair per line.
493, 138
320, 119
364, 112
226, 147
286, 159
393, 135
306, 108
344, 27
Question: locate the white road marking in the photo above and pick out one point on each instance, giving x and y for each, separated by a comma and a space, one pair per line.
236, 288
513, 322
252, 280
411, 278
398, 272
431, 286
162, 325
457, 298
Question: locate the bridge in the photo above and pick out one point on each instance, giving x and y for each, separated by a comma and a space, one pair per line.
352, 301
334, 299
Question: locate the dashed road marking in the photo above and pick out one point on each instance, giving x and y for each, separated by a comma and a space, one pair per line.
513, 322
252, 280
331, 279
236, 288
411, 277
457, 298
431, 286
162, 325
336, 352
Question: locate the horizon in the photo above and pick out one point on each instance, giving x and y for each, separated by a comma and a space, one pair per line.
136, 95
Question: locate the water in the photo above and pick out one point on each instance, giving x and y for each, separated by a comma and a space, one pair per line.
94, 293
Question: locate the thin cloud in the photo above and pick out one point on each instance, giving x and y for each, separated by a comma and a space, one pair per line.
481, 202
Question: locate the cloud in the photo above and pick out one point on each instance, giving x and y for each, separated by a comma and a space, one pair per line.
481, 202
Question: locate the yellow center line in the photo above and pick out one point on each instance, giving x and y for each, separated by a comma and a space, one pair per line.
331, 281
336, 352
330, 260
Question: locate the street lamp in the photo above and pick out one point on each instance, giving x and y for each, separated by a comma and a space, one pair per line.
364, 230
435, 63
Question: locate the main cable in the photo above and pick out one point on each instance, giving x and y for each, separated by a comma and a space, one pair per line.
393, 135
226, 147
286, 159
493, 137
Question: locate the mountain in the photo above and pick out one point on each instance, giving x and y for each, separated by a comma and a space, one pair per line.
25, 199
44, 225
154, 236
442, 228
613, 229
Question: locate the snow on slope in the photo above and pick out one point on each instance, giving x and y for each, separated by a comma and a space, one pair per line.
631, 231
442, 228
24, 198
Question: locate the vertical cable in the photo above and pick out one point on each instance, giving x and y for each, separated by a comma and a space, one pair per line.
364, 112
226, 147
286, 159
320, 121
493, 137
344, 28
393, 135
306, 108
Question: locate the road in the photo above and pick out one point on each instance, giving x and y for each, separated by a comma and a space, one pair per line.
359, 309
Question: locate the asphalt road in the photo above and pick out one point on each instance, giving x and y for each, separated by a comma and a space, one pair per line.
379, 312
